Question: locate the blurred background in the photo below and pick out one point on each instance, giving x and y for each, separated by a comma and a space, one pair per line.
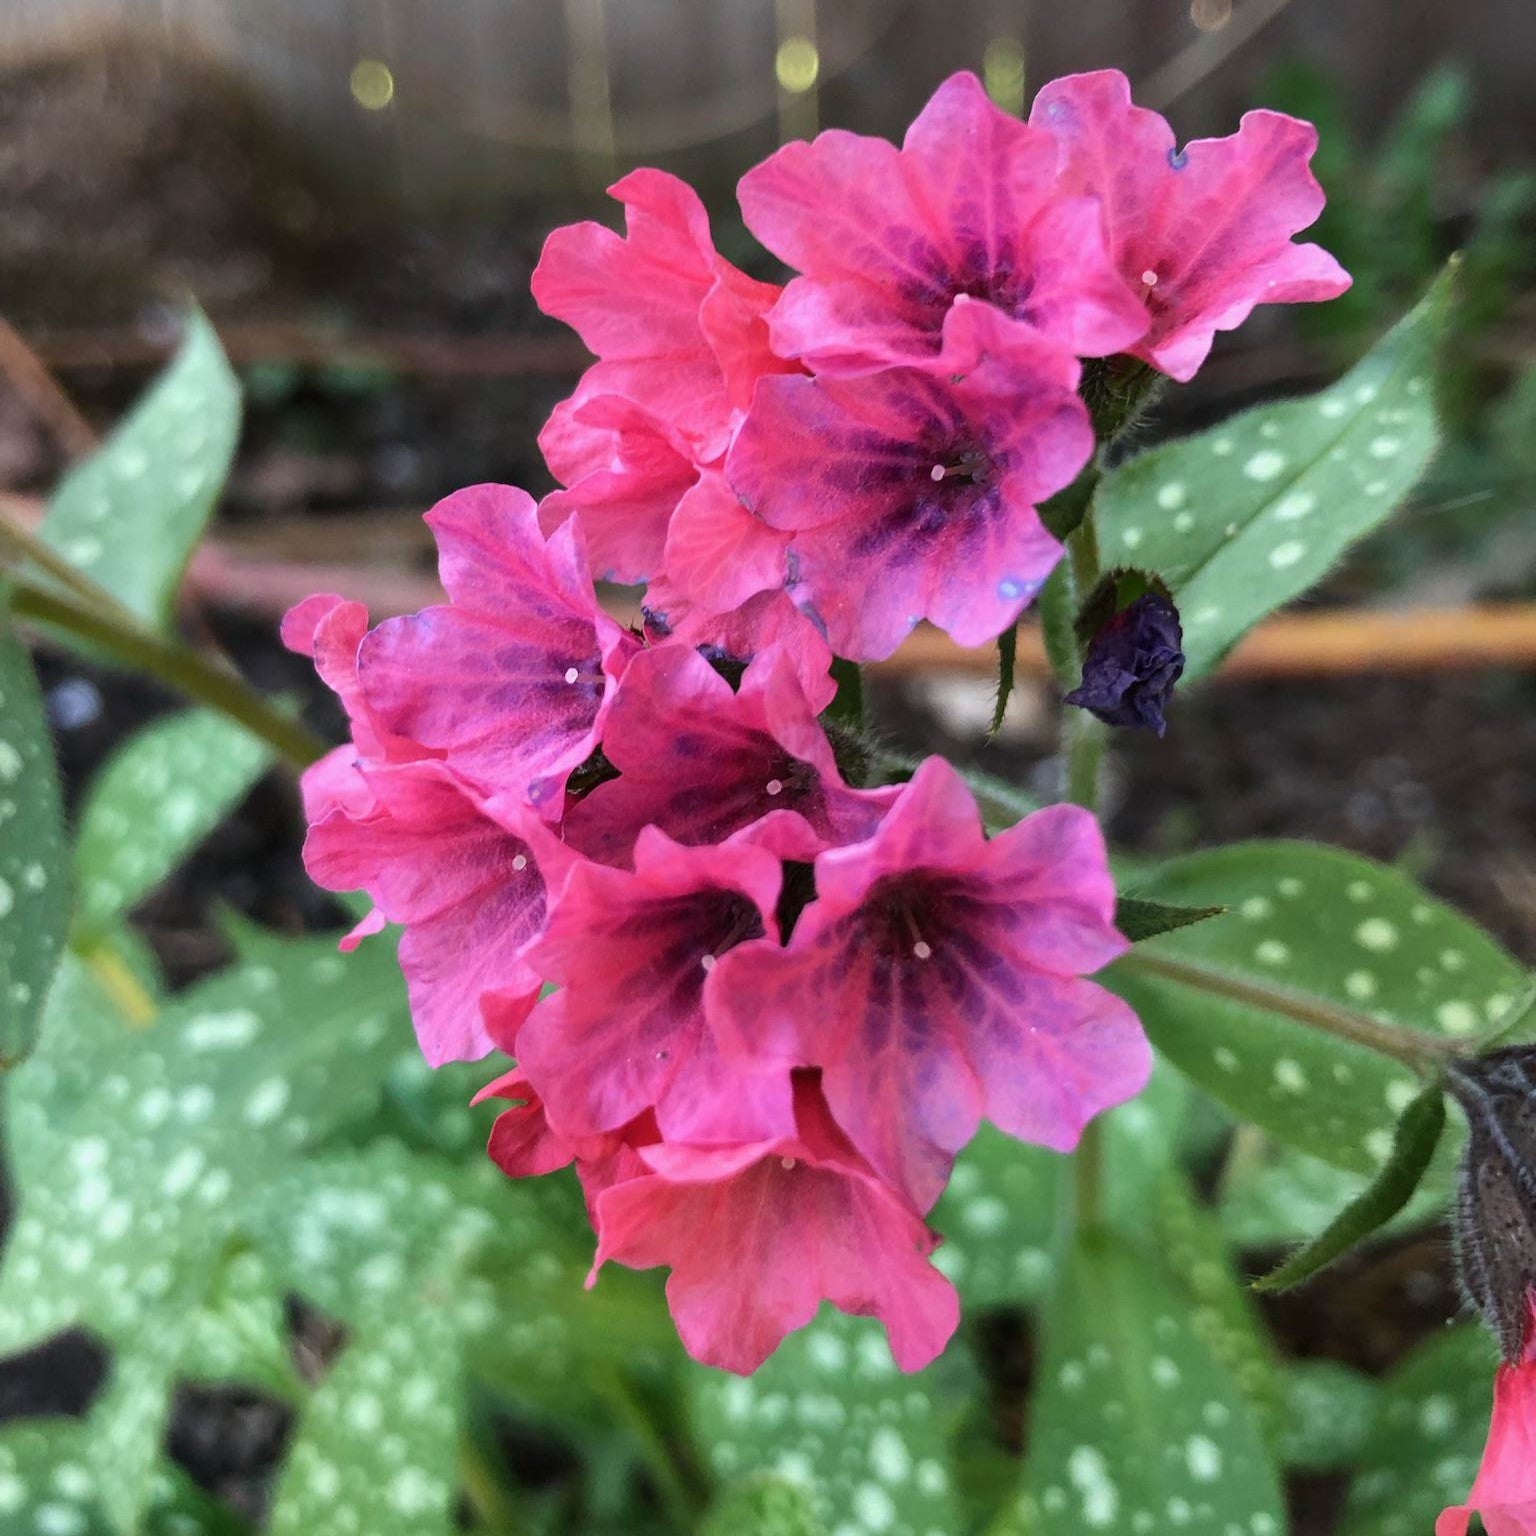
356, 192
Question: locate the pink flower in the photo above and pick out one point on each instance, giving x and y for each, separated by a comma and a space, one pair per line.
469, 890
935, 978
678, 329
758, 1235
719, 554
509, 682
701, 761
1504, 1493
762, 622
911, 493
330, 630
887, 239
633, 955
626, 472
1203, 234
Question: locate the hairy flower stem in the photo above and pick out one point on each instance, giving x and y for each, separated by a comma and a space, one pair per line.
180, 667
1084, 761
1085, 735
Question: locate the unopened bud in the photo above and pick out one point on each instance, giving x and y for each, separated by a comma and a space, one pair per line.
1496, 1207
1134, 659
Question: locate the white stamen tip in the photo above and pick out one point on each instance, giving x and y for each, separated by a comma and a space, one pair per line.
708, 962
774, 786
936, 473
520, 862
1149, 277
571, 674
922, 949
786, 1163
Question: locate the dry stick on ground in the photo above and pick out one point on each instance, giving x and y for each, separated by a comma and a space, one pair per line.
30, 378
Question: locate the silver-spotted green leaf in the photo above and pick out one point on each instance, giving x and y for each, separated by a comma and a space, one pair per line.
1414, 1144
356, 1231
34, 870
128, 1421
1274, 1195
375, 1448
1001, 1212
1221, 1314
1428, 1437
130, 515
240, 1332
998, 1218
1135, 1426
830, 1413
1240, 519
764, 1506
154, 801
1330, 1411
1309, 929
131, 1149
49, 1487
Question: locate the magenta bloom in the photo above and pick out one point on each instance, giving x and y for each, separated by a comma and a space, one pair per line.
1504, 1494
509, 682
719, 554
632, 954
677, 329
701, 761
911, 493
626, 472
1202, 234
936, 979
758, 1235
469, 891
887, 239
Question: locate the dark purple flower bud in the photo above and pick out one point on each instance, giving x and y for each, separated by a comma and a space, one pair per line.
1496, 1207
1133, 662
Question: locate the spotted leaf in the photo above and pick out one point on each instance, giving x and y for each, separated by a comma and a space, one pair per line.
1312, 938
49, 1486
1428, 1437
130, 515
34, 880
830, 1414
131, 1149
153, 802
1242, 518
378, 1439
1136, 1426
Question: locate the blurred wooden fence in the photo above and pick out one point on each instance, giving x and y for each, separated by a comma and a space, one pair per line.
454, 99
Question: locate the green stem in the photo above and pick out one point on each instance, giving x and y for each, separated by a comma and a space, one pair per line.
176, 665
27, 546
682, 1506
1423, 1052
1085, 735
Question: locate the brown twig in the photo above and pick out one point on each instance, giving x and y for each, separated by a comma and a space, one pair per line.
31, 378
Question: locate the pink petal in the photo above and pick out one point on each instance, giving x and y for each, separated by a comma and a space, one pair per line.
887, 239
717, 552
636, 301
470, 894
847, 467
944, 969
701, 761
631, 953
755, 1249
510, 682
1203, 234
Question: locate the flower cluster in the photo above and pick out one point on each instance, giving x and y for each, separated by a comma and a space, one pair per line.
758, 1002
